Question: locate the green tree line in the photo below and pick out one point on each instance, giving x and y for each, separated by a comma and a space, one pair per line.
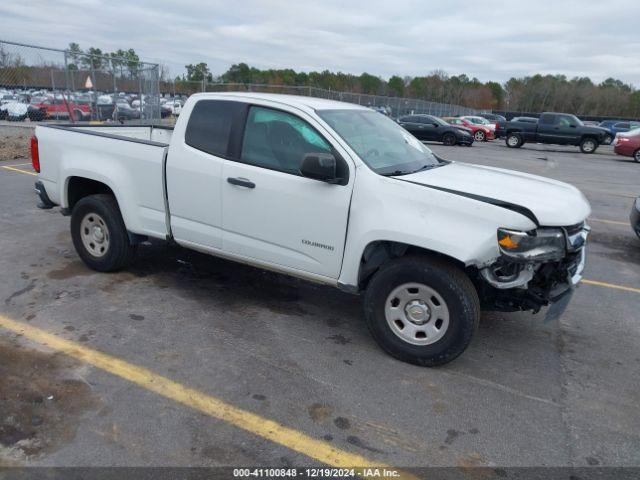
536, 93
124, 62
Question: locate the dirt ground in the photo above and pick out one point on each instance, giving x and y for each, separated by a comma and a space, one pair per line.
42, 397
14, 142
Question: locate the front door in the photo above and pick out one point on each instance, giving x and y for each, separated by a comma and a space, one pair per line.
273, 214
426, 128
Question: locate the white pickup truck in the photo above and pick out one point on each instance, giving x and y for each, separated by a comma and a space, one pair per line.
330, 192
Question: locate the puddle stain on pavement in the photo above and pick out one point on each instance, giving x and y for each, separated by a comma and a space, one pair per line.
41, 403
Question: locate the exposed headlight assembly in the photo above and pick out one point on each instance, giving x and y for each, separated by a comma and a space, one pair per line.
542, 245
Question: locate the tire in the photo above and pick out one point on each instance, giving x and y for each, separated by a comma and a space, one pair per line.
636, 155
456, 300
513, 140
588, 145
480, 136
607, 140
449, 139
99, 233
79, 116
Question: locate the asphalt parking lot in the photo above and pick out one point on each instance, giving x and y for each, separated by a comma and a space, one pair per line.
257, 346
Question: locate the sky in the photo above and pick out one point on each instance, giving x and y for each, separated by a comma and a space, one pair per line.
490, 40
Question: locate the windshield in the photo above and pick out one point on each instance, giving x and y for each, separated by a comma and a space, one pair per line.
478, 120
439, 121
576, 121
386, 147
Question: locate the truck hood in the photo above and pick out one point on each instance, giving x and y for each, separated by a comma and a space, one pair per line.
552, 202
596, 130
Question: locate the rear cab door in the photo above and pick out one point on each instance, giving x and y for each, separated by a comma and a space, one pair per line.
194, 171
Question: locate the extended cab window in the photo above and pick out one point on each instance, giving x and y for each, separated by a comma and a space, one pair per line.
279, 141
210, 123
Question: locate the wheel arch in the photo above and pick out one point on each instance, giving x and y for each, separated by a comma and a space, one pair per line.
591, 136
78, 187
379, 252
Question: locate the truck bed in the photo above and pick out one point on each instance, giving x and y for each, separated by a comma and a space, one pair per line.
157, 134
129, 159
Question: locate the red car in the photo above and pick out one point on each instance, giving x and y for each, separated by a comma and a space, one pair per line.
481, 133
628, 144
57, 108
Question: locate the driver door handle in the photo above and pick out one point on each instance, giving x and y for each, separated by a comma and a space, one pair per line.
241, 182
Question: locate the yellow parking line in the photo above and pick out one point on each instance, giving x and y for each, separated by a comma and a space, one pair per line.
611, 285
613, 222
18, 170
19, 164
214, 407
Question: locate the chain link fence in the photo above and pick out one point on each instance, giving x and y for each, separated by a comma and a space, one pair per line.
393, 106
38, 83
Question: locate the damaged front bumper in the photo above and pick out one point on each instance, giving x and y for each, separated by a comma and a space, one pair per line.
509, 285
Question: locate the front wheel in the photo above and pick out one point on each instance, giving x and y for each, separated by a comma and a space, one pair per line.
479, 136
421, 310
449, 139
636, 155
607, 140
99, 233
588, 145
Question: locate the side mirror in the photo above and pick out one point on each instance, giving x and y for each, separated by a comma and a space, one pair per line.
320, 166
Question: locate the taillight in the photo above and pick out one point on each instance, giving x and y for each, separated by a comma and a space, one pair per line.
35, 155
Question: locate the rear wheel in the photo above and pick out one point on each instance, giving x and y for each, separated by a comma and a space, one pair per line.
514, 140
99, 234
607, 140
479, 136
636, 155
588, 145
421, 310
449, 139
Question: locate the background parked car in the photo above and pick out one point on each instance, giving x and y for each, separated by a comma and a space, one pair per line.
614, 127
476, 120
493, 118
124, 111
430, 128
175, 106
627, 144
14, 111
59, 108
481, 132
620, 127
35, 113
554, 129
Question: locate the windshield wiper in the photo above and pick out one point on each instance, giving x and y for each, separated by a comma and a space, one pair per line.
395, 173
427, 167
